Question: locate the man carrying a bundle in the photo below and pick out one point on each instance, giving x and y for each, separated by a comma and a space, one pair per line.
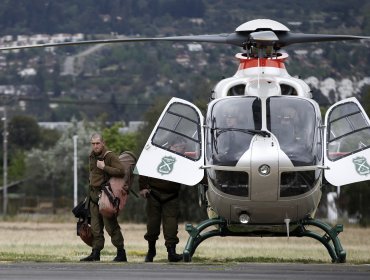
102, 166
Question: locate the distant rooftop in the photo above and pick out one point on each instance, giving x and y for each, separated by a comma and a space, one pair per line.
133, 126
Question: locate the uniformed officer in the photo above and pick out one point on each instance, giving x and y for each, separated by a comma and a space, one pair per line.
103, 165
162, 206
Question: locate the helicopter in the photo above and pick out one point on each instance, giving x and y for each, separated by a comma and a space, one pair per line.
259, 155
267, 180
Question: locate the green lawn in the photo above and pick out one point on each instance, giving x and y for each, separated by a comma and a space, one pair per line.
57, 242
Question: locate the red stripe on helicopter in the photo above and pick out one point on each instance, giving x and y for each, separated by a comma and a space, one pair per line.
263, 62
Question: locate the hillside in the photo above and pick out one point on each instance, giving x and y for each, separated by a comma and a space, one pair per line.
125, 80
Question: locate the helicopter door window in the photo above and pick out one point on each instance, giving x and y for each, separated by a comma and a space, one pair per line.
231, 125
179, 126
230, 182
348, 131
293, 121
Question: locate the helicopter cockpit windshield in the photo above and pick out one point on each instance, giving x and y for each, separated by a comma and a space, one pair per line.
231, 124
293, 122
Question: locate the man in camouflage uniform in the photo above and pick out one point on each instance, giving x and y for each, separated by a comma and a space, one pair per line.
102, 166
162, 206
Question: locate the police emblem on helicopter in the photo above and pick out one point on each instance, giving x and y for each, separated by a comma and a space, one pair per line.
166, 165
361, 165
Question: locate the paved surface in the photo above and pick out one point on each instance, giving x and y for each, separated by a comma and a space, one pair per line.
110, 271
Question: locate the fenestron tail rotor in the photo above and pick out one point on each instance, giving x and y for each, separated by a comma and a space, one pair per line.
260, 32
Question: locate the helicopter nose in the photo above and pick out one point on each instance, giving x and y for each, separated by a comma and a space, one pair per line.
264, 175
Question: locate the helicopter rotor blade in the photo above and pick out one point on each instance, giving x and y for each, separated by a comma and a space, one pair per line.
259, 33
215, 38
288, 38
281, 39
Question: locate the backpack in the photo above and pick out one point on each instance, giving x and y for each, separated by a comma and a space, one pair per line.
114, 194
81, 211
128, 160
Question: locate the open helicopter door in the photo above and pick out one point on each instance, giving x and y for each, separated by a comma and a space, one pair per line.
174, 150
347, 143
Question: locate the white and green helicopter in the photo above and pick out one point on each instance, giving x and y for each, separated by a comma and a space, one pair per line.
262, 149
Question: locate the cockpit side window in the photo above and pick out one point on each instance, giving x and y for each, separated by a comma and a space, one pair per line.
293, 121
288, 90
231, 124
236, 90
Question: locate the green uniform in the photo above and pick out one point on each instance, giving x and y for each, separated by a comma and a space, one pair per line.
162, 206
113, 167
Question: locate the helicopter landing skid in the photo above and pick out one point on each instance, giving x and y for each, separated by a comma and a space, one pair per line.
334, 248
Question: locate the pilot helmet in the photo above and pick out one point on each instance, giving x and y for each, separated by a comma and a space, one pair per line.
230, 113
288, 115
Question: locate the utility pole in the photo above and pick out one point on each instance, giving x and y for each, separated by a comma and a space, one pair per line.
5, 100
5, 164
75, 170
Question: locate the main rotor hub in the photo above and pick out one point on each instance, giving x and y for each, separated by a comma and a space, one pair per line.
261, 24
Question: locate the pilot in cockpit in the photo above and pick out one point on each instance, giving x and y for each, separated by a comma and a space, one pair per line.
287, 130
229, 144
294, 131
231, 118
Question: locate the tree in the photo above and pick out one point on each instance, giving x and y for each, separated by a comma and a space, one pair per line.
24, 132
24, 135
17, 165
53, 176
49, 137
118, 142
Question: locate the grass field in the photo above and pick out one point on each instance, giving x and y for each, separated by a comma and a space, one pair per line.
53, 241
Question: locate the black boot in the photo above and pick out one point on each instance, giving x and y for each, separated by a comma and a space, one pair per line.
121, 255
172, 256
151, 252
94, 256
